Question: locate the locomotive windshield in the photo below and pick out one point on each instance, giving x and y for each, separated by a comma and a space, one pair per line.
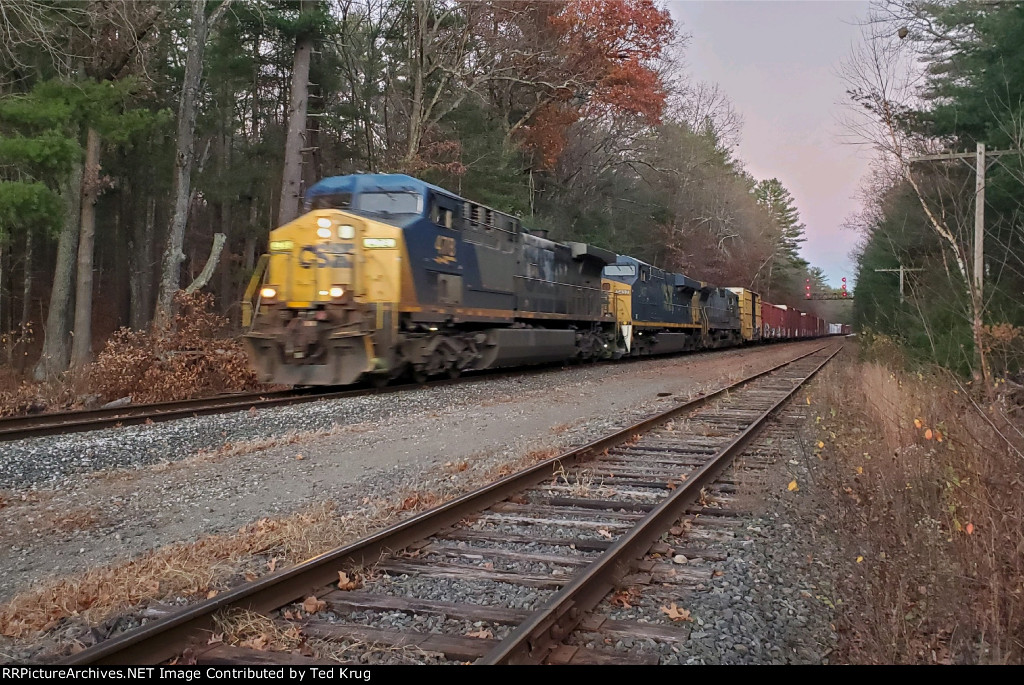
391, 203
620, 270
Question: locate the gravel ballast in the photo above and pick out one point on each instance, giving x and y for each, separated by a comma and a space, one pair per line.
80, 500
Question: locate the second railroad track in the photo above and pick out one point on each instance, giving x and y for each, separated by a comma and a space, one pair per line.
504, 574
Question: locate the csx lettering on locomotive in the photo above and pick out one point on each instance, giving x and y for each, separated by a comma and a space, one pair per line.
321, 258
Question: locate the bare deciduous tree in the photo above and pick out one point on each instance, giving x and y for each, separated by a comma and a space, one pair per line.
883, 84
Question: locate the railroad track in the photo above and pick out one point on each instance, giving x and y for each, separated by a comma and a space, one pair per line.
80, 421
518, 565
21, 427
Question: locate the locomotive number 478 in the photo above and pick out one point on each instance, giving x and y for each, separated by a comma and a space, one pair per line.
445, 247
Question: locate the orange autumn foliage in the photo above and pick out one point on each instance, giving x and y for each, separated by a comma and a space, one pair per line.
606, 48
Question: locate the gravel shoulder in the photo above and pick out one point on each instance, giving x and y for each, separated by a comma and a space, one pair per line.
84, 500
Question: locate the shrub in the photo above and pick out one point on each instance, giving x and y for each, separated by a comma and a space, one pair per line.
191, 358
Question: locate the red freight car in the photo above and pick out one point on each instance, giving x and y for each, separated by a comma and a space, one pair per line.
773, 321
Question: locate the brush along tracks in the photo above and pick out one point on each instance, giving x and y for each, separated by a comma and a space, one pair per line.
504, 574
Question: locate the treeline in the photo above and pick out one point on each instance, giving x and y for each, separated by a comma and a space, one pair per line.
150, 147
933, 78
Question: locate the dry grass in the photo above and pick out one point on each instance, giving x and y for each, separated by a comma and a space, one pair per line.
930, 497
200, 569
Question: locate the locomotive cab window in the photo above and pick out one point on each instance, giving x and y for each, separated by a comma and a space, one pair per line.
620, 270
332, 201
442, 216
398, 202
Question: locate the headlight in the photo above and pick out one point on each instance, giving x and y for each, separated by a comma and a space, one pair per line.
323, 232
337, 292
379, 242
323, 222
346, 232
281, 245
268, 293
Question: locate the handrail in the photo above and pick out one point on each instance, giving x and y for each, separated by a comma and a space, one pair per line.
250, 302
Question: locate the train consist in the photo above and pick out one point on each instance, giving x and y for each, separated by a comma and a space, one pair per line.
386, 275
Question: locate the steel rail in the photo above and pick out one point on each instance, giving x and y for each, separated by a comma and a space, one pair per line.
165, 638
20, 427
534, 639
83, 420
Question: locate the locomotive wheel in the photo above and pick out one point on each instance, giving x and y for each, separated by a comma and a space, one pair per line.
419, 376
379, 381
454, 372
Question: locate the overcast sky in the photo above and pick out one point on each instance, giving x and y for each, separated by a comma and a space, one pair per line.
778, 61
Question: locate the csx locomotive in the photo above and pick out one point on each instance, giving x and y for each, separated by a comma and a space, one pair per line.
386, 275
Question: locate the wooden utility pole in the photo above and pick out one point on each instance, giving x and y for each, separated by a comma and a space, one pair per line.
979, 221
901, 270
981, 158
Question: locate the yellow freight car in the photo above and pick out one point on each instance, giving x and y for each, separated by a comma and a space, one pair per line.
750, 314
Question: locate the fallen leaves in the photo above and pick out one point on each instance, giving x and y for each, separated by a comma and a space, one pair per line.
483, 634
969, 529
625, 598
675, 613
604, 533
793, 487
313, 605
347, 583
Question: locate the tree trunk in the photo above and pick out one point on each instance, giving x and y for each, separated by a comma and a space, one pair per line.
81, 349
183, 158
417, 62
26, 288
55, 353
211, 264
142, 268
3, 258
291, 182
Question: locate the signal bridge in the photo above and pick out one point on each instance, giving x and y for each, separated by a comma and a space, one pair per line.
829, 296
841, 295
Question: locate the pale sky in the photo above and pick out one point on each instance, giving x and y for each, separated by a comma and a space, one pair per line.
778, 62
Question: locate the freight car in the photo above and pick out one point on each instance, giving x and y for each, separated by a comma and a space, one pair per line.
386, 275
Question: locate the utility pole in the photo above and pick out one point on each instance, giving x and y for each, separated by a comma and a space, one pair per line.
979, 220
901, 270
981, 160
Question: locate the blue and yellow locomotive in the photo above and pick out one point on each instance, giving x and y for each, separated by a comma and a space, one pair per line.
387, 274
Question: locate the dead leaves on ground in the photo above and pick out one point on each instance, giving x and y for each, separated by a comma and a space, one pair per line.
313, 605
349, 583
626, 598
675, 613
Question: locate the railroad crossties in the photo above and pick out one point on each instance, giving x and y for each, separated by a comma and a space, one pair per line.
717, 586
